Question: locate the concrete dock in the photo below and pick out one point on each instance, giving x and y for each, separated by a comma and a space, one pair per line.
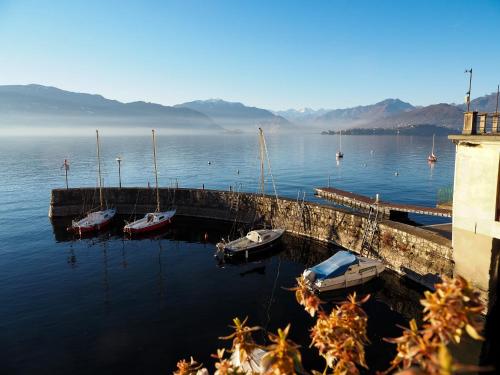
389, 209
417, 253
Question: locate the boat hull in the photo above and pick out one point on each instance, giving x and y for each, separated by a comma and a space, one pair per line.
89, 228
253, 251
158, 220
148, 229
232, 250
343, 284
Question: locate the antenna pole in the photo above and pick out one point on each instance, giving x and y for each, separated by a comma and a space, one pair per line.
470, 86
156, 173
99, 170
498, 91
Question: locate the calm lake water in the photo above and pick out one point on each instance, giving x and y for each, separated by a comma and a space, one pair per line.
106, 305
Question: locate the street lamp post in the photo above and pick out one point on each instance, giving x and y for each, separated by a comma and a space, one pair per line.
119, 160
66, 169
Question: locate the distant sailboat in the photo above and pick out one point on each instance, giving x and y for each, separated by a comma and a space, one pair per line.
339, 153
153, 220
95, 220
432, 158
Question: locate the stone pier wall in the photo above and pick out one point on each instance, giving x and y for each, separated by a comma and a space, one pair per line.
414, 252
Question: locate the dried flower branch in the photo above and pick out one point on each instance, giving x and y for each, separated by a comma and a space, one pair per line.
453, 308
243, 343
306, 297
189, 368
282, 355
224, 366
340, 336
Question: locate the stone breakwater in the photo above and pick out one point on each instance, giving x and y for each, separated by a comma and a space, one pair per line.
421, 255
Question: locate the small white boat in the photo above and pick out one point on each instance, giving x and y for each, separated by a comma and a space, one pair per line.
342, 270
150, 222
96, 220
339, 153
253, 242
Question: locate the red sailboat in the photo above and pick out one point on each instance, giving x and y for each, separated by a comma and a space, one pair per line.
95, 220
153, 220
432, 158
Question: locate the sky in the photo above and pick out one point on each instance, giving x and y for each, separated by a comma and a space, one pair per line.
270, 54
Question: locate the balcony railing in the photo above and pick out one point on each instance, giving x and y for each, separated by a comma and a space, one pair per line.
481, 123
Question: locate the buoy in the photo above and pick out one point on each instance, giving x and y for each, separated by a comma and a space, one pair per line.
396, 173
209, 162
238, 171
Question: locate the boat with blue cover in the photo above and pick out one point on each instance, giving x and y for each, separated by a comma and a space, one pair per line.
342, 270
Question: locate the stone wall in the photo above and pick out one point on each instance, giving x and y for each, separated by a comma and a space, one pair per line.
414, 252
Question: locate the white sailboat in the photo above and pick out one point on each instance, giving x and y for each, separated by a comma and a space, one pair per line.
342, 270
339, 153
432, 158
153, 220
95, 220
255, 240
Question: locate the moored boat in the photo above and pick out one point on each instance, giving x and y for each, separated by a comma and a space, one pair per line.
150, 222
432, 158
342, 270
153, 220
95, 220
253, 242
339, 153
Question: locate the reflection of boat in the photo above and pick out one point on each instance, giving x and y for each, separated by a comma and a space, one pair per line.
96, 220
153, 220
339, 153
342, 270
432, 158
253, 242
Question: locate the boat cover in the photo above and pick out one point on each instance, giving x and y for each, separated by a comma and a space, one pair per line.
334, 266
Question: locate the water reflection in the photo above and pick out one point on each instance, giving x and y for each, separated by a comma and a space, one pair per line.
202, 298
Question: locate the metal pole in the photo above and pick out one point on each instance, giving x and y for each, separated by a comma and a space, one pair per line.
119, 160
99, 171
66, 167
496, 109
470, 87
156, 174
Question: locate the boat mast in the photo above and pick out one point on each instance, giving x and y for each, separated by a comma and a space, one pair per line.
432, 153
99, 171
340, 139
156, 173
261, 153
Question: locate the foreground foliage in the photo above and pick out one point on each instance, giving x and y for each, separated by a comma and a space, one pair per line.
340, 336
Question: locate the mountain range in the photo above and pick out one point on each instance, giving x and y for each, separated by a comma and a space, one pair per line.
236, 116
37, 105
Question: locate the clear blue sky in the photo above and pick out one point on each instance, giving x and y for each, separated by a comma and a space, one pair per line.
271, 54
